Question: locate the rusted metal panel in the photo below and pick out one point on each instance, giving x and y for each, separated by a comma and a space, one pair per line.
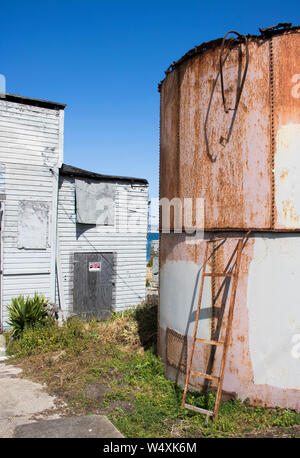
286, 107
252, 181
169, 160
236, 184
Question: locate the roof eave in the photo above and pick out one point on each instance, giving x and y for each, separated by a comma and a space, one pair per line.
68, 170
33, 102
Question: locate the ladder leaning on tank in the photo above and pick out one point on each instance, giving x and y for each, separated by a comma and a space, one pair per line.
225, 344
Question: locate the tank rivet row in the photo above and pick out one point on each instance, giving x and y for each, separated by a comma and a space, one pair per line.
272, 133
178, 131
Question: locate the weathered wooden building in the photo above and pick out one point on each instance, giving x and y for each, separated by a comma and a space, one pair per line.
75, 236
105, 262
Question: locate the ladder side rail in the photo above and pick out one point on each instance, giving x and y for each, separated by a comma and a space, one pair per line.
234, 251
196, 327
228, 329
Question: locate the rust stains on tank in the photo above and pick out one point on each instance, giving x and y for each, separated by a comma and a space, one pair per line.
286, 130
236, 186
239, 187
286, 66
284, 175
289, 212
169, 161
239, 377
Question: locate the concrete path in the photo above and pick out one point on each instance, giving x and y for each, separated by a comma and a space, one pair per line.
89, 426
21, 400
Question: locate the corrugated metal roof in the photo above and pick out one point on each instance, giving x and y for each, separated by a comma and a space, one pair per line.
69, 170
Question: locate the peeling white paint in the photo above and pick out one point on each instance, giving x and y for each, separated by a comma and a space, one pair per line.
287, 172
35, 138
273, 302
179, 293
33, 225
2, 178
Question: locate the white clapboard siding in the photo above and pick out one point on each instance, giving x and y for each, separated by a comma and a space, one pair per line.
31, 151
129, 248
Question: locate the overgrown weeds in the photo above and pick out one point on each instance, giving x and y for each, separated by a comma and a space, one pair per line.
119, 356
48, 337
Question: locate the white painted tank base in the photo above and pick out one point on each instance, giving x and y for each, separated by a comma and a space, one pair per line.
264, 356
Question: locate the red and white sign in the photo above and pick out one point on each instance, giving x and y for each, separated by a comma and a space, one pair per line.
94, 266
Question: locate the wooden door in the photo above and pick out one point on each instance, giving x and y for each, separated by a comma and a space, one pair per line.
92, 292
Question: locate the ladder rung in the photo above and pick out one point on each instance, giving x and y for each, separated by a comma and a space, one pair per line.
197, 409
218, 274
210, 377
211, 342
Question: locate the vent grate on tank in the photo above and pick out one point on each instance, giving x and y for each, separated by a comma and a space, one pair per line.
176, 349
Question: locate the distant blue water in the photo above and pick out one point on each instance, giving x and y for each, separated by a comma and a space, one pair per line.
151, 236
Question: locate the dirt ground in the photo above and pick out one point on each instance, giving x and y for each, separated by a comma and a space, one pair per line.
287, 431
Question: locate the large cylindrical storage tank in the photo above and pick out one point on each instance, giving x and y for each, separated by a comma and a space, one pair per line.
245, 164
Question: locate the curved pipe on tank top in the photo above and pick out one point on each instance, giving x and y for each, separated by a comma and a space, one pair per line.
240, 86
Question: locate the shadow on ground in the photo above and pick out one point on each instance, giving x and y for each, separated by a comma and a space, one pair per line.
146, 316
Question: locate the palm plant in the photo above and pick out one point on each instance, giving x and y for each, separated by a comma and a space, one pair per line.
24, 313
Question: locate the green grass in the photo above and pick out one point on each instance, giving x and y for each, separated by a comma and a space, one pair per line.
140, 401
49, 337
158, 412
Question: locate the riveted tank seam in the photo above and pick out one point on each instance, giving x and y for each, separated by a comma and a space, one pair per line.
178, 132
158, 341
272, 144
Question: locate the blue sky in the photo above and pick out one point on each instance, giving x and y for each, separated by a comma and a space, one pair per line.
105, 58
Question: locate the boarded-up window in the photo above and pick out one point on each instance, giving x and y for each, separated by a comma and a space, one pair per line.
95, 202
33, 225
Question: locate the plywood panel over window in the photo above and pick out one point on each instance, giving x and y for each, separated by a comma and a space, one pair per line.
95, 202
33, 225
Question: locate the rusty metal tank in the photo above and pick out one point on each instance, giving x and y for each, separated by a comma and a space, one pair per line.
237, 146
